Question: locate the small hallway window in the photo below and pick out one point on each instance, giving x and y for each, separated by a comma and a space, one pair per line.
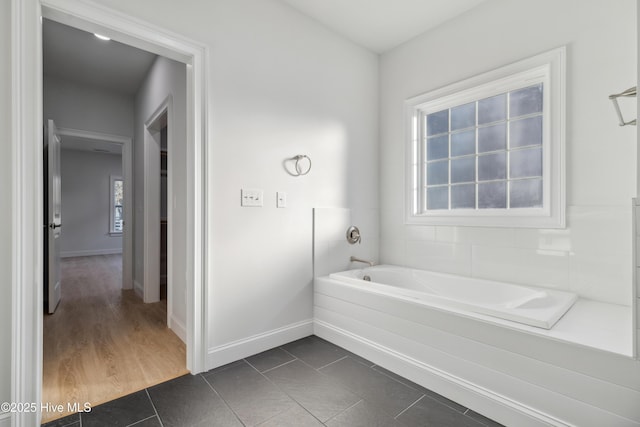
488, 151
116, 205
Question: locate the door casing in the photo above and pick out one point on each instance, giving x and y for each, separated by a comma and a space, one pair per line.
27, 174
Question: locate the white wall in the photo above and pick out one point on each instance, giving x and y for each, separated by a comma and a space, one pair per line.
5, 212
86, 203
281, 85
84, 107
165, 78
592, 256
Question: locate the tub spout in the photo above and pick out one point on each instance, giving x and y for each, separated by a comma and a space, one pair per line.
354, 259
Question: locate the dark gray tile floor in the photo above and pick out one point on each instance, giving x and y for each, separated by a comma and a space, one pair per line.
309, 382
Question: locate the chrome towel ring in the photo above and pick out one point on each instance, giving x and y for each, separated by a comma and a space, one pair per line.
300, 167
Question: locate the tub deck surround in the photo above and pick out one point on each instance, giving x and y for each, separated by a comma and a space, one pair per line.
580, 372
523, 304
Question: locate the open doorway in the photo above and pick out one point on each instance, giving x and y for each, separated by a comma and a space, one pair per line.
111, 334
27, 240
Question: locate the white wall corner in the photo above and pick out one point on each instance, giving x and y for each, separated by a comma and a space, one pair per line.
138, 288
235, 350
178, 328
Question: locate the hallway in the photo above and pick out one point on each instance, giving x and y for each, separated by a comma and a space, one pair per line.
103, 342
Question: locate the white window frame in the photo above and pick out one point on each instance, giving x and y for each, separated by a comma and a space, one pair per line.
548, 68
112, 205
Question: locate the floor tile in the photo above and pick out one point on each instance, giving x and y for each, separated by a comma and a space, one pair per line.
69, 420
375, 387
269, 359
431, 394
315, 351
249, 394
149, 422
482, 419
120, 412
431, 413
319, 395
294, 417
223, 367
190, 401
359, 359
363, 414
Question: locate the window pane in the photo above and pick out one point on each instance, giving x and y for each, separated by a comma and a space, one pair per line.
463, 116
526, 193
525, 101
526, 132
438, 147
492, 166
438, 198
438, 173
492, 195
118, 192
438, 122
492, 138
463, 143
463, 169
463, 196
527, 162
492, 109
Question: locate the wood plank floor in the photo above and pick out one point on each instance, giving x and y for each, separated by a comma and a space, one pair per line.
104, 342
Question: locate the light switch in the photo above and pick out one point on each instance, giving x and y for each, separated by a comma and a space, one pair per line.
251, 197
281, 199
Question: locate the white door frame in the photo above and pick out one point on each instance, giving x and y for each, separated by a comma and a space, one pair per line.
127, 176
27, 172
151, 202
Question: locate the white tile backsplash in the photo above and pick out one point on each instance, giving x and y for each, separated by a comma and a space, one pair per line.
477, 235
331, 251
524, 266
591, 257
330, 224
439, 256
600, 277
393, 251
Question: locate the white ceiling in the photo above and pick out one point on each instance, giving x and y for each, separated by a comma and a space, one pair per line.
380, 25
81, 57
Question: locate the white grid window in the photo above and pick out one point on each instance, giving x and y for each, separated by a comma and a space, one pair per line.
488, 151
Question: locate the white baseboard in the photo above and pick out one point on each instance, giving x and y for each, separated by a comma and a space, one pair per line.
487, 402
178, 327
138, 289
93, 252
227, 353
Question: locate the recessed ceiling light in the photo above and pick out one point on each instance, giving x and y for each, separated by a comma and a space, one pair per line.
101, 37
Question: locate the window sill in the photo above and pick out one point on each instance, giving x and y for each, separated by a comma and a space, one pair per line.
115, 233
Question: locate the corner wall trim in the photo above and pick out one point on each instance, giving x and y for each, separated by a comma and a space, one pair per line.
235, 350
393, 360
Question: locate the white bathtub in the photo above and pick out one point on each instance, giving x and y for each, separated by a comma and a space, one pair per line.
529, 305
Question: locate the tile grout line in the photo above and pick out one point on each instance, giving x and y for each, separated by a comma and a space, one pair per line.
335, 361
271, 369
345, 409
223, 399
409, 407
395, 379
283, 391
146, 390
145, 419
